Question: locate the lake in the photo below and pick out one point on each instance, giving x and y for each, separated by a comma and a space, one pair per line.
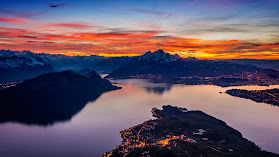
95, 129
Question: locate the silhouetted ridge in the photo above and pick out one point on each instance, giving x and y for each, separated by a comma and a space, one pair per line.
94, 75
164, 65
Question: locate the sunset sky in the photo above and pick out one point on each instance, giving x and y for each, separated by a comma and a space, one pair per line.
206, 29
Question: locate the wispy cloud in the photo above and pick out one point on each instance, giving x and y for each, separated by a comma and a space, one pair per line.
72, 25
127, 41
12, 20
205, 28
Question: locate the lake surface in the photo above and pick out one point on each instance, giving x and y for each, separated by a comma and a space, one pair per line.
95, 129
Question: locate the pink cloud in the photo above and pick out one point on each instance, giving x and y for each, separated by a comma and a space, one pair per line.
12, 20
72, 25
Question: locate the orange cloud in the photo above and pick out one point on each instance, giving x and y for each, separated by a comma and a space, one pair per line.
130, 43
72, 25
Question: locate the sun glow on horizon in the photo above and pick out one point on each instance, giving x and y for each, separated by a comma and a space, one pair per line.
135, 29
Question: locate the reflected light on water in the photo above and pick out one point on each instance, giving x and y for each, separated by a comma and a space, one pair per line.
95, 129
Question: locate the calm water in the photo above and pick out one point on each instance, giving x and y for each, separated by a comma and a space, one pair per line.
96, 128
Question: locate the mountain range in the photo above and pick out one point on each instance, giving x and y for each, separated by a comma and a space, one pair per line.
166, 65
21, 60
18, 66
80, 63
63, 62
21, 65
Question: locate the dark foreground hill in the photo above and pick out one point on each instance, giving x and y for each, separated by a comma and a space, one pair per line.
179, 133
51, 97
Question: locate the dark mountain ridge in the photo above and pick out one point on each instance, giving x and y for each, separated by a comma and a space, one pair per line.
167, 65
262, 63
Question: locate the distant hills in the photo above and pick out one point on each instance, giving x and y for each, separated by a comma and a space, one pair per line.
51, 97
14, 61
21, 60
158, 65
80, 63
63, 62
262, 63
165, 65
167, 68
22, 65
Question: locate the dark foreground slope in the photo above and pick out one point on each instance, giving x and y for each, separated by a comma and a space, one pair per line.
51, 97
179, 133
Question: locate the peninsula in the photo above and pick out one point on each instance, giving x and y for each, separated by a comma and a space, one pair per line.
178, 132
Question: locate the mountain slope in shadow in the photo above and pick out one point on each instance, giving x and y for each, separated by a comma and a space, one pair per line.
160, 64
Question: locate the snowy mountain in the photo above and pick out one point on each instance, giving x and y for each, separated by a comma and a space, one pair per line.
21, 65
100, 64
191, 59
21, 60
63, 62
158, 57
161, 64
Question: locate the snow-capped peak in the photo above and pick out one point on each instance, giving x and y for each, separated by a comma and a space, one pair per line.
20, 59
158, 57
191, 59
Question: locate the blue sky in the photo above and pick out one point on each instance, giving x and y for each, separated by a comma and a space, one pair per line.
202, 28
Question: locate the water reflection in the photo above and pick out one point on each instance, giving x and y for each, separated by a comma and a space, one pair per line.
158, 90
50, 98
150, 87
95, 129
40, 109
